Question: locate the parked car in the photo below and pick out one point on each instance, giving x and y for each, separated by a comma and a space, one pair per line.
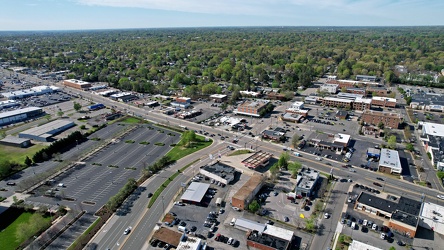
10, 183
149, 195
377, 184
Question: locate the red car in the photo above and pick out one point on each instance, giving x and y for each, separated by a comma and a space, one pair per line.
217, 237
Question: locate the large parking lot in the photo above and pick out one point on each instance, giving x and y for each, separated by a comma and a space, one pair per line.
93, 182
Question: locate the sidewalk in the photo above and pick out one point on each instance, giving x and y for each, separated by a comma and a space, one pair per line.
10, 200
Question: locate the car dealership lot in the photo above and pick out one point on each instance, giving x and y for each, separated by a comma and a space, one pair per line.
106, 171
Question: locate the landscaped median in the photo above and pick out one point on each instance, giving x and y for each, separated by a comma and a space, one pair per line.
85, 234
167, 182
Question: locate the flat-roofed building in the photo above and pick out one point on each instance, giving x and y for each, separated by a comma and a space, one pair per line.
77, 84
15, 141
8, 104
389, 162
168, 236
20, 115
272, 238
219, 172
251, 108
249, 225
242, 198
390, 120
195, 193
431, 217
292, 117
329, 88
361, 104
34, 91
297, 106
341, 114
357, 245
337, 102
249, 93
405, 218
219, 98
373, 152
257, 160
310, 100
188, 242
306, 181
359, 91
47, 131
383, 102
377, 90
366, 78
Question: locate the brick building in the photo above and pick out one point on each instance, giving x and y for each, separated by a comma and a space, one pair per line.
76, 84
383, 102
390, 120
251, 108
242, 198
378, 90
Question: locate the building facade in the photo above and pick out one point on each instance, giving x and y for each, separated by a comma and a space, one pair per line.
251, 108
77, 84
390, 120
242, 198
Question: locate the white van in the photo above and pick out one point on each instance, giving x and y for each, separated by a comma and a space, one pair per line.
182, 229
233, 221
353, 226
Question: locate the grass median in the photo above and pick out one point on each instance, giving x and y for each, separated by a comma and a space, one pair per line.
179, 152
79, 239
167, 182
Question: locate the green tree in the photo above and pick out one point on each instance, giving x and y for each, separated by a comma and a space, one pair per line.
381, 125
274, 171
188, 138
2, 134
77, 106
295, 140
391, 143
28, 161
392, 248
294, 167
409, 147
254, 206
60, 113
283, 160
223, 107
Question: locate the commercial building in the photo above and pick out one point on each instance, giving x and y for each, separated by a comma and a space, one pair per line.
292, 117
270, 238
167, 236
8, 104
20, 115
431, 217
297, 106
219, 172
390, 120
335, 142
373, 153
257, 160
47, 131
383, 102
428, 101
432, 137
358, 91
357, 245
341, 114
249, 225
195, 193
337, 102
403, 215
310, 100
329, 88
77, 84
366, 78
15, 142
361, 104
276, 134
251, 108
25, 93
189, 243
242, 198
219, 98
347, 100
306, 181
389, 162
123, 97
183, 100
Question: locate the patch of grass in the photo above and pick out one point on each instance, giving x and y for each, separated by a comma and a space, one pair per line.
159, 144
160, 131
2, 198
132, 168
18, 155
171, 134
129, 141
96, 164
132, 120
178, 152
240, 152
8, 240
96, 139
144, 142
113, 166
76, 242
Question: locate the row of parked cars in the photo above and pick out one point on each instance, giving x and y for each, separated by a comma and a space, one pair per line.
226, 240
369, 189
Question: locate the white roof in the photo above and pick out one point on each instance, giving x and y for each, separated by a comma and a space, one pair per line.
195, 192
78, 82
38, 90
18, 112
381, 98
357, 245
249, 93
434, 129
390, 158
363, 100
48, 128
337, 99
192, 243
218, 96
342, 138
431, 211
278, 232
249, 224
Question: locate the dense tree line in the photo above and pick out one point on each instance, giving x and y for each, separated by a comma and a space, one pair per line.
115, 201
58, 147
155, 60
160, 164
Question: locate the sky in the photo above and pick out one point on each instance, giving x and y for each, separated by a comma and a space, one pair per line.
19, 15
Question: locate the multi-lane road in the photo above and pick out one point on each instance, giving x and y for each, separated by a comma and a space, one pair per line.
366, 177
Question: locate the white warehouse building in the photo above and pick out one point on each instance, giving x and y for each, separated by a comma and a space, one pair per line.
35, 91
